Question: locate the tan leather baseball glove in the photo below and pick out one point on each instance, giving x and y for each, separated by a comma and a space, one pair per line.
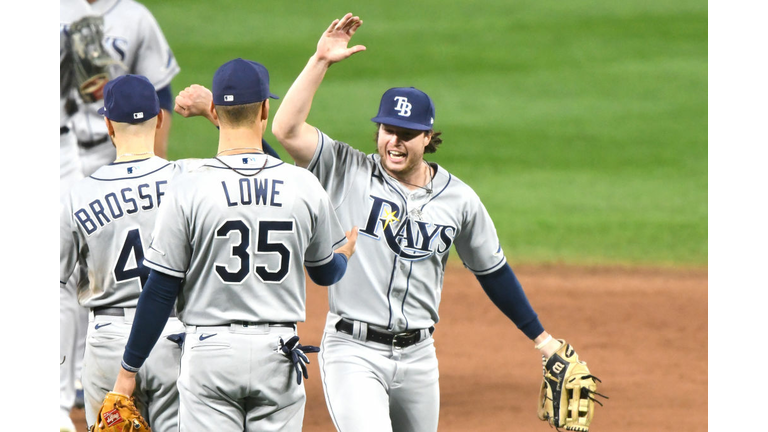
568, 390
119, 414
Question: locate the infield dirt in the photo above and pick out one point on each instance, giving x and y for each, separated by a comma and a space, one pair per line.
628, 324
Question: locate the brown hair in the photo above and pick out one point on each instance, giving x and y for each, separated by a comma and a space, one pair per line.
434, 141
238, 115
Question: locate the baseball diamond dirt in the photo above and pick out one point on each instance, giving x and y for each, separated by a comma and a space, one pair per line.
629, 323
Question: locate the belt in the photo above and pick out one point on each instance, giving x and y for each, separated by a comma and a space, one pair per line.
400, 340
116, 311
63, 130
94, 143
271, 324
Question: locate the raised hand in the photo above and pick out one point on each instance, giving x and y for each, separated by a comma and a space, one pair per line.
349, 248
195, 100
333, 45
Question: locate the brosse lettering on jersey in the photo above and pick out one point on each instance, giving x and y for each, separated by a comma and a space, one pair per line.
119, 203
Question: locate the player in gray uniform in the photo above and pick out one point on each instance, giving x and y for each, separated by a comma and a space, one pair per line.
239, 231
106, 221
133, 37
378, 362
73, 319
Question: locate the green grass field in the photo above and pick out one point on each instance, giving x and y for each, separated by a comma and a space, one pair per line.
582, 125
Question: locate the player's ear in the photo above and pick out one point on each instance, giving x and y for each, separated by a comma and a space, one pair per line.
110, 129
214, 115
160, 119
265, 110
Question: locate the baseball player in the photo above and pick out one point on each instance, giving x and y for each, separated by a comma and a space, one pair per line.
73, 319
134, 39
378, 361
238, 231
106, 222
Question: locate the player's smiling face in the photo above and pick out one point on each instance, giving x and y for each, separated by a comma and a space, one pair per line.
401, 150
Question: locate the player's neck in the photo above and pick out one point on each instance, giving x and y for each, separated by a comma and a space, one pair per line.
134, 148
240, 140
417, 178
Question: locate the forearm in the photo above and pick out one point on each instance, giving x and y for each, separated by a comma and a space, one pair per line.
289, 125
506, 292
152, 312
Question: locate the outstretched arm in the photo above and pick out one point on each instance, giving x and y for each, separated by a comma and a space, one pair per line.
290, 123
506, 292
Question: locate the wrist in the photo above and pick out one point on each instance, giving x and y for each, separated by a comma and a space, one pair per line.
550, 347
125, 383
318, 61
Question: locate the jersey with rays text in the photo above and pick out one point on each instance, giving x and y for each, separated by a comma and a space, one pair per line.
133, 37
405, 237
239, 230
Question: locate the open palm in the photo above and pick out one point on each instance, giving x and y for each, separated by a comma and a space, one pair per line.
333, 45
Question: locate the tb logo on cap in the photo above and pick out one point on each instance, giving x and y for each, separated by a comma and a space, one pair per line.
403, 107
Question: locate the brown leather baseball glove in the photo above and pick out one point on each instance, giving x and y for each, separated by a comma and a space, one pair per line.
119, 414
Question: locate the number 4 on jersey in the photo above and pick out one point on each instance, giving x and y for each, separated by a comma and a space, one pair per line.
131, 246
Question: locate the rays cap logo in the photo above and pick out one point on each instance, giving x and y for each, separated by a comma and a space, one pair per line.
240, 82
130, 99
406, 107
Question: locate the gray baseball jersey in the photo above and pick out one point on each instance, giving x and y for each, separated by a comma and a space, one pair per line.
69, 169
132, 36
106, 222
405, 237
241, 239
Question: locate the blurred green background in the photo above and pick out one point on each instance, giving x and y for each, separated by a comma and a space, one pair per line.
581, 124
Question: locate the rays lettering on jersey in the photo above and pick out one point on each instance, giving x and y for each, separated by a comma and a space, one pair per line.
118, 45
408, 238
98, 212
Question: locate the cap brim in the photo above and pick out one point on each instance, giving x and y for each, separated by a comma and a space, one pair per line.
401, 123
273, 96
103, 111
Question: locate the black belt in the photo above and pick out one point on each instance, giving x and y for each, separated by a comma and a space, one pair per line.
400, 340
94, 143
271, 324
116, 311
63, 130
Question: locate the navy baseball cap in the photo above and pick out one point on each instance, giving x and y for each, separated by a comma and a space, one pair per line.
406, 107
130, 99
240, 82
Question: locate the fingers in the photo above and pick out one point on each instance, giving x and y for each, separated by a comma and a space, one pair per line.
352, 234
182, 105
355, 27
356, 49
332, 26
343, 22
352, 239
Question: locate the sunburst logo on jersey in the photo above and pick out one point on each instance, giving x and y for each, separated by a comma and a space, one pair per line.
389, 216
410, 239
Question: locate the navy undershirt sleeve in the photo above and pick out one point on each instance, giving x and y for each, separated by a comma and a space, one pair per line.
507, 294
268, 149
329, 273
165, 96
152, 312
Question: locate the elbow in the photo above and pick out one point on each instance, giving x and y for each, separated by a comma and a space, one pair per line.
330, 273
281, 130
